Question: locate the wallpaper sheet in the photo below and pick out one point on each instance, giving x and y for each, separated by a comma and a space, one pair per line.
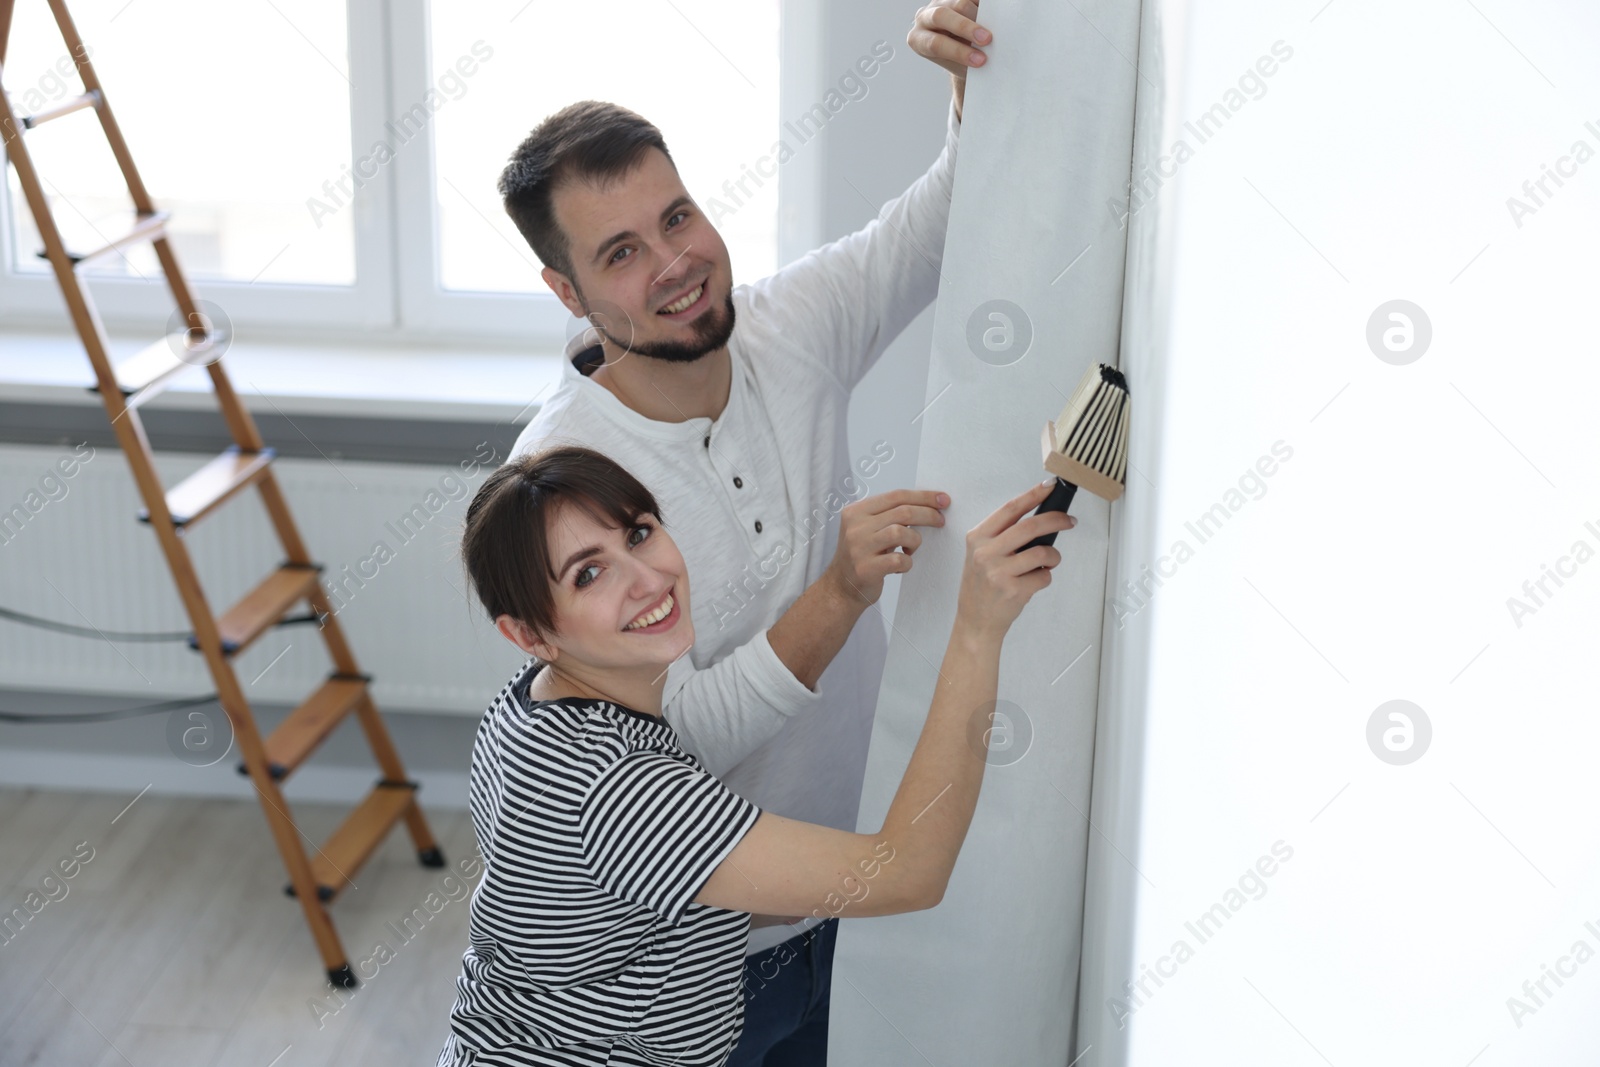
1030, 296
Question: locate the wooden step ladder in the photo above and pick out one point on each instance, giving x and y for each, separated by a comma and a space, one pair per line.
314, 879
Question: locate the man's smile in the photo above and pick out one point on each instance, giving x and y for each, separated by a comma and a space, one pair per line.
686, 301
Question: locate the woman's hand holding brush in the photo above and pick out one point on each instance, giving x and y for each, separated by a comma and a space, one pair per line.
1000, 574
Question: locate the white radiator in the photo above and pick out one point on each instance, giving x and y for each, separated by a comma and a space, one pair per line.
72, 549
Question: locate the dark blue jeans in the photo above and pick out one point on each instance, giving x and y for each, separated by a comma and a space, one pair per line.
786, 1002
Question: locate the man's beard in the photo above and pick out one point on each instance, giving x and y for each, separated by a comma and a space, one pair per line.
711, 332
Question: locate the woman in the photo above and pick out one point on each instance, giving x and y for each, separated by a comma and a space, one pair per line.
611, 921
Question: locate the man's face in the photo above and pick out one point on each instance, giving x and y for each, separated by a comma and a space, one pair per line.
639, 247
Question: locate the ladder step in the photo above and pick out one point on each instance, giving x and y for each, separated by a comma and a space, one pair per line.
145, 376
201, 492
263, 606
341, 856
66, 107
306, 726
146, 227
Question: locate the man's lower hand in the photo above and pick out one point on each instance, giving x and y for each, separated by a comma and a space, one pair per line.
877, 538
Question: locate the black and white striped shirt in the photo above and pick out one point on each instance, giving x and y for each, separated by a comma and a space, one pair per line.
597, 832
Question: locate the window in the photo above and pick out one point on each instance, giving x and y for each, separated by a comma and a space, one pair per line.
705, 73
332, 168
227, 165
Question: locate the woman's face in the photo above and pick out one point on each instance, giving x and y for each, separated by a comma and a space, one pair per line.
621, 595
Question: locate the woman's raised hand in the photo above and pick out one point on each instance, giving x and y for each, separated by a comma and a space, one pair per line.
997, 580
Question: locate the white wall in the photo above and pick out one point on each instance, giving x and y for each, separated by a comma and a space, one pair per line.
1374, 565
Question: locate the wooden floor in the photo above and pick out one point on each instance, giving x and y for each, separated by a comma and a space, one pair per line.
175, 946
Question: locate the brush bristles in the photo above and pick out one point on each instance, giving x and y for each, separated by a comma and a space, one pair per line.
1093, 427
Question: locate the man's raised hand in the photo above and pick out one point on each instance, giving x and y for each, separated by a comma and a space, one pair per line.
947, 32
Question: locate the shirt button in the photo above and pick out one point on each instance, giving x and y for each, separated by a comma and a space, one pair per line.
738, 482
758, 526
708, 440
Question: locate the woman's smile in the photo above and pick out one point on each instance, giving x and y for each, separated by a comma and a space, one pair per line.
668, 604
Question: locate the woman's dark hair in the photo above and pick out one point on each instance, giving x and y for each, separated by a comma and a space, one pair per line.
590, 140
506, 545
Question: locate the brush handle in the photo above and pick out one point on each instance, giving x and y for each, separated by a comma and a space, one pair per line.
1060, 499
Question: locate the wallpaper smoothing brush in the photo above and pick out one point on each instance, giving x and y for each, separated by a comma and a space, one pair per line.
1088, 445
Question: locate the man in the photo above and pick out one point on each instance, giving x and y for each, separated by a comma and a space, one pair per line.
730, 404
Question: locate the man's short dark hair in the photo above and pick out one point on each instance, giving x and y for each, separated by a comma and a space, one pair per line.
590, 140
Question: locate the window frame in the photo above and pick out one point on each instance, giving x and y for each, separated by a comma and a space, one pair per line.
397, 297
